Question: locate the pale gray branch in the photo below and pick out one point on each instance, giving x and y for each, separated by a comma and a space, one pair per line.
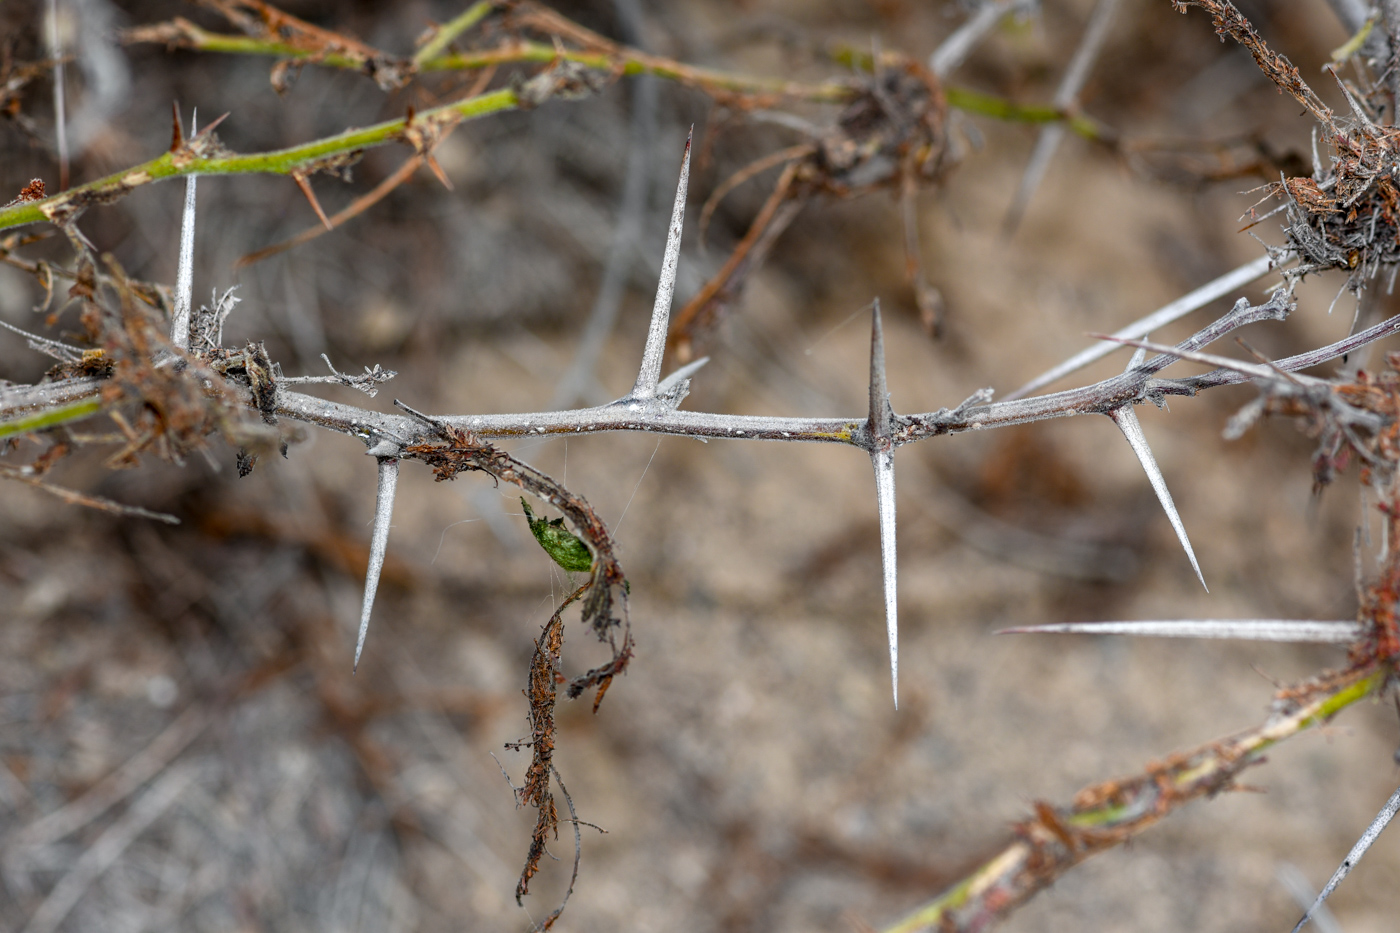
957, 47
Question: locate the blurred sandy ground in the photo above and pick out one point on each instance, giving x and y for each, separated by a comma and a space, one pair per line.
749, 770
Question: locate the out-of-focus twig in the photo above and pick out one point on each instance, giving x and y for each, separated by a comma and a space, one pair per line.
108, 848
579, 376
1066, 99
73, 497
958, 46
1109, 814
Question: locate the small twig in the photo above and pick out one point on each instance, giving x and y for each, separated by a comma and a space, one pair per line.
579, 378
548, 922
1292, 364
1269, 370
957, 47
305, 186
205, 156
357, 207
447, 33
54, 348
73, 497
1109, 814
367, 382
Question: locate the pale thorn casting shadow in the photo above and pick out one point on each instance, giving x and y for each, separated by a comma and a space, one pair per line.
1369, 836
387, 454
880, 424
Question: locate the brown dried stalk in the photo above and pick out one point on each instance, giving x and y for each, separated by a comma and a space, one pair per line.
891, 136
541, 692
1229, 21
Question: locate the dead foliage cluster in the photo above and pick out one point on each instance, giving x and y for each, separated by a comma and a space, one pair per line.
891, 136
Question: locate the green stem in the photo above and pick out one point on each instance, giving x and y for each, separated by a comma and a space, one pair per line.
446, 33
989, 105
430, 58
303, 158
633, 62
50, 418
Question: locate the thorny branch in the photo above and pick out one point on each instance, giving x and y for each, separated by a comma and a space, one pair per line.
184, 395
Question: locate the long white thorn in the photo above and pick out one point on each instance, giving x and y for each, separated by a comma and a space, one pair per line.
1369, 836
379, 542
1156, 320
184, 276
1127, 422
650, 372
880, 425
1280, 630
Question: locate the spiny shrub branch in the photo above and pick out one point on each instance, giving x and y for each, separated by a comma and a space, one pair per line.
179, 393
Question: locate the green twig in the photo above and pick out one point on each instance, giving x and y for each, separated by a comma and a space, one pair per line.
989, 105
50, 418
451, 30
304, 159
622, 60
